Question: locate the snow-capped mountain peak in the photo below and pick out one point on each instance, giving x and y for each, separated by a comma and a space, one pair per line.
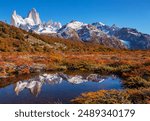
33, 23
14, 13
34, 15
75, 25
16, 20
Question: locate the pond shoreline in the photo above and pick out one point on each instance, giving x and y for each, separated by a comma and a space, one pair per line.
50, 87
132, 66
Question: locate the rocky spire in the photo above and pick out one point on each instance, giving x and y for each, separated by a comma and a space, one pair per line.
16, 20
34, 15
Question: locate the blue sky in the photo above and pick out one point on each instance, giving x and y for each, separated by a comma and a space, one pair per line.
123, 13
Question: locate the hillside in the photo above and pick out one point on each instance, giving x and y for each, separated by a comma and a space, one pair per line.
13, 39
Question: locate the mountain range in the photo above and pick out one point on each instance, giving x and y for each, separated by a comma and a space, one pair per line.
110, 36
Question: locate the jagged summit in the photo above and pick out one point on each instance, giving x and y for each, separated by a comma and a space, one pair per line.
33, 23
14, 12
34, 15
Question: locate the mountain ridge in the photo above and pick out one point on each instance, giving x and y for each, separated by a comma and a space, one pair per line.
96, 32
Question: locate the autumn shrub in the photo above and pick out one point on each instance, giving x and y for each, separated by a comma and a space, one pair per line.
123, 68
105, 69
78, 65
2, 71
55, 67
10, 69
148, 78
128, 96
136, 82
147, 63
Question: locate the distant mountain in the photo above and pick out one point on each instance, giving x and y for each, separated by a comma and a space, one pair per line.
76, 30
110, 36
33, 23
129, 36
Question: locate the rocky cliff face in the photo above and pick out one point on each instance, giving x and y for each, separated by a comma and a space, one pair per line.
135, 39
129, 36
76, 30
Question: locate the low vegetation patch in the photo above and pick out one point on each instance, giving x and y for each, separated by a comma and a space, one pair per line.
128, 96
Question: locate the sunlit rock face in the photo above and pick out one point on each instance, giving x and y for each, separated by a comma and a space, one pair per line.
35, 84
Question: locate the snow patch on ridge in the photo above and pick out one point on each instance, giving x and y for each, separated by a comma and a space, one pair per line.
75, 25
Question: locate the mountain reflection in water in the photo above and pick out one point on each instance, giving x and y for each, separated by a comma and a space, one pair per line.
53, 88
35, 84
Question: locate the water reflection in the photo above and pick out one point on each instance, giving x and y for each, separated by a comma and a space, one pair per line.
35, 84
52, 87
